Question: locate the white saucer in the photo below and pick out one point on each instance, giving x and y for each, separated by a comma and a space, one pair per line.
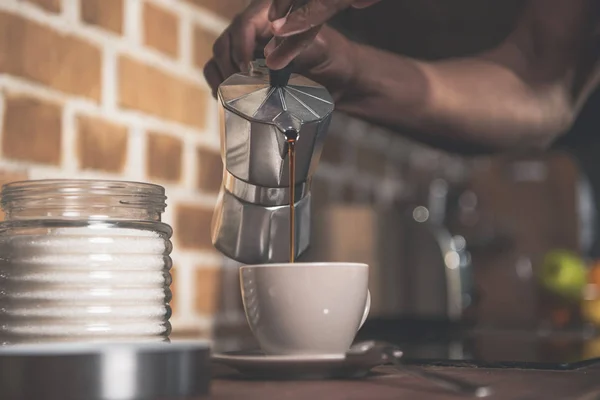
258, 365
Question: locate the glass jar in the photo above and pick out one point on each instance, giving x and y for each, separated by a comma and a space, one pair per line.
84, 260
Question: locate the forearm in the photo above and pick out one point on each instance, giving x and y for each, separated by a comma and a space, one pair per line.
464, 101
520, 95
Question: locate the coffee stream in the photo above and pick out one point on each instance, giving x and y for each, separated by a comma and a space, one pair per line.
291, 138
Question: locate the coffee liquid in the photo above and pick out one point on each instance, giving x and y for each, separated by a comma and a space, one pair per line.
292, 137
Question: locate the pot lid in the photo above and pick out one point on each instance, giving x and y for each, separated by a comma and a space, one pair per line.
253, 97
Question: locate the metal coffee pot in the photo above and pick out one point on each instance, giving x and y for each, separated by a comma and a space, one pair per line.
251, 220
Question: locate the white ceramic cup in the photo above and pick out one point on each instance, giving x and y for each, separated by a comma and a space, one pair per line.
305, 308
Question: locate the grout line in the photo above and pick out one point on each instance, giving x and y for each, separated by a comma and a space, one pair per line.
183, 286
46, 171
189, 165
185, 41
71, 10
185, 196
136, 154
200, 258
69, 141
22, 86
133, 28
192, 322
13, 4
213, 125
194, 199
16, 164
110, 79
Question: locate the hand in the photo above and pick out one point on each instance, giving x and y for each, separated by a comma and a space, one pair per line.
320, 53
233, 50
295, 30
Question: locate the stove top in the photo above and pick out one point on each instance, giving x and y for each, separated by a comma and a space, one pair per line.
443, 344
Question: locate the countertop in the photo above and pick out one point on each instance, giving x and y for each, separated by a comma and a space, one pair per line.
387, 383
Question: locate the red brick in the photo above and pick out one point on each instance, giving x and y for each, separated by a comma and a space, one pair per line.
102, 145
164, 157
106, 14
48, 5
32, 130
145, 88
210, 170
192, 227
161, 29
225, 8
43, 55
202, 45
207, 282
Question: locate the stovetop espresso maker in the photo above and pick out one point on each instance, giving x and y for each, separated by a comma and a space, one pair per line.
257, 111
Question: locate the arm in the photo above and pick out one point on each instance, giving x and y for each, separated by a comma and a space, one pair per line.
522, 94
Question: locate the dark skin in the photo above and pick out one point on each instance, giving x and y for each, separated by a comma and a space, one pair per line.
519, 93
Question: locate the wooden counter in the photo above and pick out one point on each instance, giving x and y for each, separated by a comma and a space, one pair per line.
386, 383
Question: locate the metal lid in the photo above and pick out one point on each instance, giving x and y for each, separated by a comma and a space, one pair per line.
253, 97
119, 371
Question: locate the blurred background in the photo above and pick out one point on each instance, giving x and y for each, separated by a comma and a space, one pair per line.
114, 89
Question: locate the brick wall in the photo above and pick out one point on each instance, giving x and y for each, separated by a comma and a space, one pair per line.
113, 89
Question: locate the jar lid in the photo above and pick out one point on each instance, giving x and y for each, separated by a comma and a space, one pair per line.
105, 371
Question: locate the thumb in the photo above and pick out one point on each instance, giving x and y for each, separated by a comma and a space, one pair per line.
329, 60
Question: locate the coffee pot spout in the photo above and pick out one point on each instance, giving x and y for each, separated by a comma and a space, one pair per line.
289, 125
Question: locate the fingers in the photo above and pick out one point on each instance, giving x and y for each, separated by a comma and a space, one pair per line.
233, 50
270, 47
330, 60
279, 9
312, 14
222, 55
213, 76
248, 31
243, 40
279, 56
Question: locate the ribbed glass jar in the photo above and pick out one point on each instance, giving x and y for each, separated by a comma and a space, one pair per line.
84, 260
